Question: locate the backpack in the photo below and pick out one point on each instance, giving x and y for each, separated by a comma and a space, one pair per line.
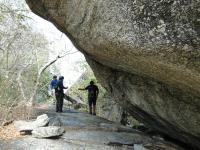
57, 88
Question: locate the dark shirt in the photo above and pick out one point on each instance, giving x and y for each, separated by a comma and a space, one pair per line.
60, 88
53, 83
92, 90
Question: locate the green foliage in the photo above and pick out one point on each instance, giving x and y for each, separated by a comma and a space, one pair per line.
82, 66
42, 90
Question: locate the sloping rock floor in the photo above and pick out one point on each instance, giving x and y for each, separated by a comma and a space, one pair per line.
87, 132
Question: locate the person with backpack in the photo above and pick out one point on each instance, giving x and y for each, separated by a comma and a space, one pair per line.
93, 92
59, 93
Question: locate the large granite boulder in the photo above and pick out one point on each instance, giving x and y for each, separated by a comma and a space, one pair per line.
145, 53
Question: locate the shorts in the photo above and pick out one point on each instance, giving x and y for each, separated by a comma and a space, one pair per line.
92, 101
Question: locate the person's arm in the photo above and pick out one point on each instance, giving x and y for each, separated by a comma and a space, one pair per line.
83, 88
63, 87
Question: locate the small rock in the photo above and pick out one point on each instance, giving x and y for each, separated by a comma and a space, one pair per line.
47, 132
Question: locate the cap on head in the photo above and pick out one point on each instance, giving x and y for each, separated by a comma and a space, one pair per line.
61, 78
91, 82
54, 77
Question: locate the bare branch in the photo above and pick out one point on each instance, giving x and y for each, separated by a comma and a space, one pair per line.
53, 61
40, 73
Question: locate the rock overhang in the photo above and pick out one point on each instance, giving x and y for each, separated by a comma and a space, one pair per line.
154, 41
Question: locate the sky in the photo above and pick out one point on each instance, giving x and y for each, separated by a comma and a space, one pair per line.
59, 42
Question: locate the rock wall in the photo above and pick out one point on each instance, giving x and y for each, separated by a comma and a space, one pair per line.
110, 109
159, 106
146, 53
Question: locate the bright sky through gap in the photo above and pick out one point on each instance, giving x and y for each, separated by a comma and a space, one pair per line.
59, 43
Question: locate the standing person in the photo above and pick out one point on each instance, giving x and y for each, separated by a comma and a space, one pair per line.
52, 88
59, 92
53, 82
93, 92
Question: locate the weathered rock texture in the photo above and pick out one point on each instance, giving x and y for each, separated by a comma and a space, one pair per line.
46, 132
146, 53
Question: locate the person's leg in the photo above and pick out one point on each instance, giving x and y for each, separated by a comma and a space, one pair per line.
94, 109
57, 102
90, 105
61, 103
94, 106
54, 96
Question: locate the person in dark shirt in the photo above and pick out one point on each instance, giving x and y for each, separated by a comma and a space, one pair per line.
93, 92
59, 92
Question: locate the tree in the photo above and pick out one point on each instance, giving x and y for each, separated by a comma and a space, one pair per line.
23, 52
24, 58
